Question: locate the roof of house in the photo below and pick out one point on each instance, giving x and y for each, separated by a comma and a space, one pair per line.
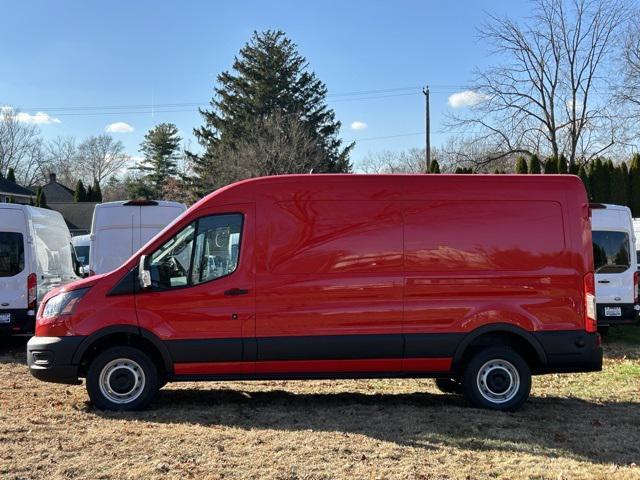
10, 188
55, 192
78, 215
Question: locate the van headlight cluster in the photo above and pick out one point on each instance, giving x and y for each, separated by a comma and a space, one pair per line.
63, 303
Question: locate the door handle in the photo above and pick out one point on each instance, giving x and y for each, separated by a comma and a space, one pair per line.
236, 291
604, 281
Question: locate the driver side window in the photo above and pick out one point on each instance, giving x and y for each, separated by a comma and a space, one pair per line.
204, 250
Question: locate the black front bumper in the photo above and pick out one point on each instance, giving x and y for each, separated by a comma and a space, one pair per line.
628, 314
50, 358
570, 351
23, 320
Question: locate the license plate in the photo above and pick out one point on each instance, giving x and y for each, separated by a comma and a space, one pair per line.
5, 318
612, 312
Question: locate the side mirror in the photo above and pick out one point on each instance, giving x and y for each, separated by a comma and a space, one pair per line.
77, 267
144, 274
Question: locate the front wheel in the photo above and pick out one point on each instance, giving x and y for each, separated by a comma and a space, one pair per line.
122, 378
497, 378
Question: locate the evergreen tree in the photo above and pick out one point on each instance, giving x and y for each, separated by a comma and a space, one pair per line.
521, 165
90, 195
574, 169
634, 179
96, 192
435, 167
11, 175
80, 193
534, 164
11, 199
562, 165
584, 176
626, 183
600, 187
160, 147
41, 199
551, 165
269, 77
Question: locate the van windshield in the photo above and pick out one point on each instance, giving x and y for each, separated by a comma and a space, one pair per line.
611, 251
11, 254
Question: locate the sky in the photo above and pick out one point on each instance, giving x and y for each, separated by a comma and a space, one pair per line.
121, 67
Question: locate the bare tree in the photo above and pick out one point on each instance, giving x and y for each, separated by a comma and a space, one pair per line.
548, 94
101, 157
408, 161
20, 148
278, 144
628, 85
62, 159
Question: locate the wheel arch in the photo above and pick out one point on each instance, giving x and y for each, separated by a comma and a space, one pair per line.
128, 335
509, 334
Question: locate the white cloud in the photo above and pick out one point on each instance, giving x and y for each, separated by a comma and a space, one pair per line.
468, 98
358, 125
119, 127
39, 118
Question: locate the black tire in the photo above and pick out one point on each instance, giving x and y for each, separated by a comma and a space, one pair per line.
449, 385
134, 383
494, 370
604, 330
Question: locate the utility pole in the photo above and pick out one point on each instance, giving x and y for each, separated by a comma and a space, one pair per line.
427, 146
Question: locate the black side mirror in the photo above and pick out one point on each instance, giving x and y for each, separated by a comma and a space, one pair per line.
77, 267
144, 274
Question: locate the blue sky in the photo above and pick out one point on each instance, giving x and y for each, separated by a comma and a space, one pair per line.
58, 56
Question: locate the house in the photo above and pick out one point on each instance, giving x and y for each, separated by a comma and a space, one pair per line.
78, 215
10, 191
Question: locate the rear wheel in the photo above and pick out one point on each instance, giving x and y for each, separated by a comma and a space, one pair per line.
497, 378
122, 378
448, 385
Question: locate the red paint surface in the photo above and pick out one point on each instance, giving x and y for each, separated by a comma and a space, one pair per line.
356, 254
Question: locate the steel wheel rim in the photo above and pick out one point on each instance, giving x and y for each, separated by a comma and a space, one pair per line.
122, 381
498, 381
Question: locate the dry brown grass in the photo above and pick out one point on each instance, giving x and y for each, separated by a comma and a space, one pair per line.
574, 426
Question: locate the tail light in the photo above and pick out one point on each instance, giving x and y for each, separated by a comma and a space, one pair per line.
635, 287
590, 320
32, 291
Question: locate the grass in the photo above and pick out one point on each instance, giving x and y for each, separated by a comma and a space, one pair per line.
574, 426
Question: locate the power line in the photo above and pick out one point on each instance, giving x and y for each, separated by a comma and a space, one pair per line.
362, 95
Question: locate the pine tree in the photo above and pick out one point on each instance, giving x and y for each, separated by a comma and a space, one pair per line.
96, 192
90, 195
584, 176
634, 179
551, 165
269, 77
562, 164
41, 199
521, 166
80, 193
160, 147
11, 175
600, 188
435, 167
534, 164
626, 183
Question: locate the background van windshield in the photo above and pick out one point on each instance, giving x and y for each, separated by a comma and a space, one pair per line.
11, 254
82, 253
611, 252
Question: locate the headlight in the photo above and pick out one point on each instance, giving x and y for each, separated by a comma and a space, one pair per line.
63, 303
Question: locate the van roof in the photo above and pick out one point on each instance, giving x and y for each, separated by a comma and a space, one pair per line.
386, 186
128, 203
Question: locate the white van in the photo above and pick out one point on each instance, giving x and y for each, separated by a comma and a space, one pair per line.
615, 263
35, 256
119, 229
636, 232
81, 245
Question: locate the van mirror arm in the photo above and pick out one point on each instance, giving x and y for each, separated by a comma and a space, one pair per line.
144, 274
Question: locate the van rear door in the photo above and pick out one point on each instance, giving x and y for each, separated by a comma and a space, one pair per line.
612, 261
13, 261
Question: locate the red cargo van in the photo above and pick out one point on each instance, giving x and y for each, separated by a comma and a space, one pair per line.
477, 281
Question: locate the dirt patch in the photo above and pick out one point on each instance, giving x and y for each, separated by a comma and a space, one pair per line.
574, 426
